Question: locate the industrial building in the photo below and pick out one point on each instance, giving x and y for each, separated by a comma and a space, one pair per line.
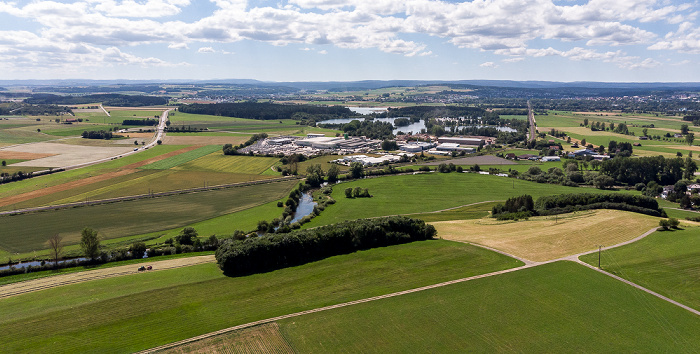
461, 141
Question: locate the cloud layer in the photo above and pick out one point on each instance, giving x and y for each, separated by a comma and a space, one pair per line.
105, 32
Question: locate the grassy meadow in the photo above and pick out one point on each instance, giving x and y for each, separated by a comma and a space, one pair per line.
430, 192
136, 312
667, 262
558, 307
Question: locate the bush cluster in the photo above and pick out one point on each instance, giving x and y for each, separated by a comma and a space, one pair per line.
269, 252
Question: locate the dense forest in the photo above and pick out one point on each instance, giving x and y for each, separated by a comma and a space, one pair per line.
661, 170
105, 99
34, 110
266, 111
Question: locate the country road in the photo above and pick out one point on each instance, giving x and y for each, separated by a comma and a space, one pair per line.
532, 133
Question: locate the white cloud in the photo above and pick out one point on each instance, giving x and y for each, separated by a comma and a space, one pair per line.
206, 50
508, 27
489, 64
322, 52
180, 45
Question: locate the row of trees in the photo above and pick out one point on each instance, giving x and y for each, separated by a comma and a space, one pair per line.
106, 99
98, 134
265, 111
523, 206
269, 252
145, 122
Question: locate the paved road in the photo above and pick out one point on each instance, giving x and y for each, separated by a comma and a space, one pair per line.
160, 134
531, 119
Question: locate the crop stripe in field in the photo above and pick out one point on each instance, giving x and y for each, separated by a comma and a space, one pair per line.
331, 307
180, 159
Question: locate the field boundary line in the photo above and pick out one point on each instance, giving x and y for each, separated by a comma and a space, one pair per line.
330, 307
651, 292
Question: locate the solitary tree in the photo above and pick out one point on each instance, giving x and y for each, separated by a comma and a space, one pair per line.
356, 170
684, 129
56, 248
348, 192
314, 175
333, 173
4, 163
186, 236
90, 243
690, 138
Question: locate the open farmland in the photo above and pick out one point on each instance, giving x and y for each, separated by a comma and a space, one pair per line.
428, 192
111, 314
667, 262
205, 138
28, 232
218, 162
551, 237
177, 160
558, 307
65, 155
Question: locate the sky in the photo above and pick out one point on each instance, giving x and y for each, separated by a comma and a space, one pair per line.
349, 40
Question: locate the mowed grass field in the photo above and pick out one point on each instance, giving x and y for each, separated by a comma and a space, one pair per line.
667, 262
551, 237
131, 313
430, 192
560, 307
29, 232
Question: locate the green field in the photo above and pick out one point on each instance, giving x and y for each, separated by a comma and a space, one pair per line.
667, 262
180, 159
554, 308
218, 162
136, 312
429, 192
274, 127
29, 232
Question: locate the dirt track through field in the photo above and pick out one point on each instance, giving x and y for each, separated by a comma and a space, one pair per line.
79, 277
126, 170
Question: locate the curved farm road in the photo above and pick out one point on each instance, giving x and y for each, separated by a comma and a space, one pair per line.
79, 277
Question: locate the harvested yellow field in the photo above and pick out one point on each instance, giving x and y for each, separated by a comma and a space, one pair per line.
259, 339
546, 238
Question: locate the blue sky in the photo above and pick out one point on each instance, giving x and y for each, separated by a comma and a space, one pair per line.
346, 40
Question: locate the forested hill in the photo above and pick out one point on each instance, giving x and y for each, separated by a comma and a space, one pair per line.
266, 111
105, 99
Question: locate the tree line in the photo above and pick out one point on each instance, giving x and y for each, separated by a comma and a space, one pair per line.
270, 252
264, 111
145, 122
109, 99
524, 207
